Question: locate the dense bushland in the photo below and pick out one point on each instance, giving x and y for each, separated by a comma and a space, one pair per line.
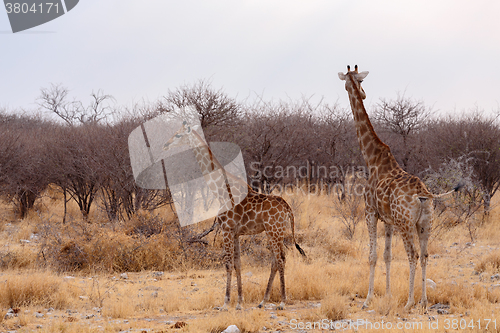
86, 155
79, 155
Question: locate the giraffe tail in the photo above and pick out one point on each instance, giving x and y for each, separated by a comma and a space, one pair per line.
300, 249
455, 189
297, 246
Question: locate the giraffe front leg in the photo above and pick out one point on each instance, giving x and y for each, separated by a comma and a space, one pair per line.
237, 268
389, 229
371, 221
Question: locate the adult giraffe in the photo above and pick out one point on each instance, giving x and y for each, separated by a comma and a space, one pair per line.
256, 213
392, 195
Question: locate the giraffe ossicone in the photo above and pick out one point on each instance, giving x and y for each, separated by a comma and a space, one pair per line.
359, 76
255, 213
391, 195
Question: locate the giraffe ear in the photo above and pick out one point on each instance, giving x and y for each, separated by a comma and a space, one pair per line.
196, 127
361, 76
341, 76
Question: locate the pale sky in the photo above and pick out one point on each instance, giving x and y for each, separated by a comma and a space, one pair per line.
444, 52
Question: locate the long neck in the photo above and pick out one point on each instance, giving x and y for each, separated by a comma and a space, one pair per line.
218, 182
375, 152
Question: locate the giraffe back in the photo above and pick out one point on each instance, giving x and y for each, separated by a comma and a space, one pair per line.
257, 213
398, 197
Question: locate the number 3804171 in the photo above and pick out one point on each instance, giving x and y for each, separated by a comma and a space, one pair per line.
25, 8
462, 324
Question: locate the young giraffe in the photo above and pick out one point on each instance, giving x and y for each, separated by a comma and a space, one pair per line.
254, 214
397, 198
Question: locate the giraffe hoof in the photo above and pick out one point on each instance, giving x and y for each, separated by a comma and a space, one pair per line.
221, 308
261, 305
408, 306
281, 306
238, 307
365, 306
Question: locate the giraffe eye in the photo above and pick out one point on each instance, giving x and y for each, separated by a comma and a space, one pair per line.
178, 135
360, 81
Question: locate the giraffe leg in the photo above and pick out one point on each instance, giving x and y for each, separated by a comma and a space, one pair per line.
423, 229
371, 221
278, 264
237, 268
228, 245
274, 269
281, 269
412, 259
389, 228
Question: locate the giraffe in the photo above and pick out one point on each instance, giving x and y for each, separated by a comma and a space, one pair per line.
399, 199
256, 213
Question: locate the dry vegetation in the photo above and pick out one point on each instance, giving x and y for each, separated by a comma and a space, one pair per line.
70, 278
84, 249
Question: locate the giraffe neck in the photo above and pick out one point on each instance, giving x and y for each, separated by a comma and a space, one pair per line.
376, 154
218, 182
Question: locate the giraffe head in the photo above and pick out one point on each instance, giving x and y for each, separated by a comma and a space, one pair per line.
184, 136
353, 80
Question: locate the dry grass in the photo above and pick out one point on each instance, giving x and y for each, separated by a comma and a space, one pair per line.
457, 295
307, 282
121, 247
490, 263
35, 289
334, 307
122, 307
250, 321
331, 283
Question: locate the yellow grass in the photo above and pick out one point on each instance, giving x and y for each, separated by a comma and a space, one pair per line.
330, 284
36, 288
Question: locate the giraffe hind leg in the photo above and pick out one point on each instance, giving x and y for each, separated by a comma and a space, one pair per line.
389, 229
237, 268
277, 265
228, 245
371, 221
274, 269
412, 259
423, 230
281, 269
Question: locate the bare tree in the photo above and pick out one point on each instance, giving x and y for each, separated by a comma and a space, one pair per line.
475, 136
466, 203
339, 148
216, 110
74, 167
22, 161
119, 194
402, 117
274, 137
55, 100
484, 137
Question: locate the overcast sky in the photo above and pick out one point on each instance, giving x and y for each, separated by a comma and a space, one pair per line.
446, 52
